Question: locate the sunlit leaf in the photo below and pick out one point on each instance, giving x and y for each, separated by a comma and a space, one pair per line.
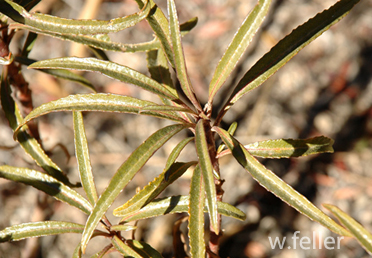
77, 252
237, 47
276, 185
27, 142
98, 102
82, 156
42, 228
178, 204
153, 189
124, 174
196, 214
287, 48
178, 55
47, 184
360, 233
207, 172
111, 69
59, 73
96, 41
286, 148
160, 25
69, 26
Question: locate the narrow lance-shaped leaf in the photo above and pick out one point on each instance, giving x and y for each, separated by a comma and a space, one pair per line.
153, 189
99, 41
98, 102
124, 174
160, 25
360, 233
287, 148
110, 69
276, 185
47, 184
42, 228
77, 252
178, 55
69, 26
237, 47
178, 204
196, 214
82, 156
134, 248
287, 48
207, 172
27, 142
59, 73
175, 153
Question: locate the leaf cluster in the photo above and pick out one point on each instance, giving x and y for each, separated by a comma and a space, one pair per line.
179, 104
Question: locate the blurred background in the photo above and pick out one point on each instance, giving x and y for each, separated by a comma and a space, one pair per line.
325, 90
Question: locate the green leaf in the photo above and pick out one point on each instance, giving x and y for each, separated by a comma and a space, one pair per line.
103, 41
59, 73
98, 102
287, 48
69, 26
124, 174
27, 142
160, 26
178, 204
175, 153
276, 185
196, 215
47, 184
110, 69
178, 55
360, 233
207, 172
41, 228
77, 252
186, 27
287, 148
135, 249
153, 189
82, 156
237, 47
98, 41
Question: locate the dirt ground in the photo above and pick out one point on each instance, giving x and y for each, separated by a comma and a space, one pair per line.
325, 90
